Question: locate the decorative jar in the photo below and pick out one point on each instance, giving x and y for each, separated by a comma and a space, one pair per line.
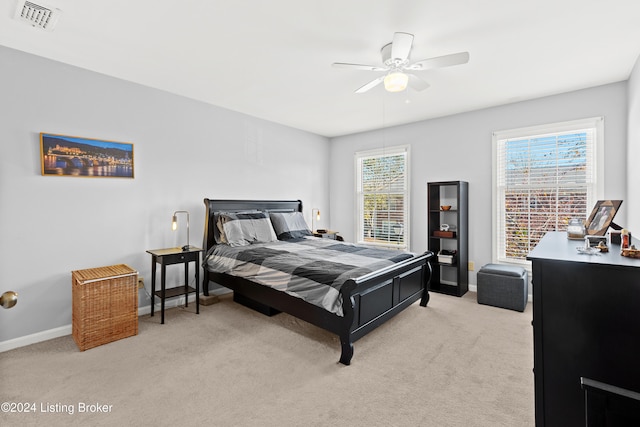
575, 229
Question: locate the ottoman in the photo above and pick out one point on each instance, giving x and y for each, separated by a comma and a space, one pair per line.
504, 286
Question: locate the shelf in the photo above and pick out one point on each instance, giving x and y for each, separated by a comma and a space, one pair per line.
453, 279
174, 292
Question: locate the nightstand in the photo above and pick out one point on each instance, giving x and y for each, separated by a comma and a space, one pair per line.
326, 234
170, 256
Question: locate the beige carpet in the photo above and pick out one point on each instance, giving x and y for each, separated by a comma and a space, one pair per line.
454, 363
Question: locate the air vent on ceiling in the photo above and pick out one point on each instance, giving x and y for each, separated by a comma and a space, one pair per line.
37, 15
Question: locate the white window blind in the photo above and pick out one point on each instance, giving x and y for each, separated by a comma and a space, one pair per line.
383, 197
544, 177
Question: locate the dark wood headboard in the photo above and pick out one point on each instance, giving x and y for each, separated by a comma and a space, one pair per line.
213, 205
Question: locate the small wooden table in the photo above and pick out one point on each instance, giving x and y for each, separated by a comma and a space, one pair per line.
169, 256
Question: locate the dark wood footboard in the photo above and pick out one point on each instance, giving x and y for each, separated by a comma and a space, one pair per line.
371, 300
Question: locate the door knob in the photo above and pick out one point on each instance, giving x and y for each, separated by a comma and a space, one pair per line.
8, 299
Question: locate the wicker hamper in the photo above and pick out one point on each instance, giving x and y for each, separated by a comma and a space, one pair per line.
105, 305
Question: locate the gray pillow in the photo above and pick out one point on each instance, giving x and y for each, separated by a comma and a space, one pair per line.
242, 229
218, 232
289, 225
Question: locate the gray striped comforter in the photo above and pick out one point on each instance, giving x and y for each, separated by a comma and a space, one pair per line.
310, 268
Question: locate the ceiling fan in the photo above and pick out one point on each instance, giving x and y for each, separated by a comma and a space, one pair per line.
398, 68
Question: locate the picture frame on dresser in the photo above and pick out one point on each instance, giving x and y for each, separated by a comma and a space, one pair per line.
601, 217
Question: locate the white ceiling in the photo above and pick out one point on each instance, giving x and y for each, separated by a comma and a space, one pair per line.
272, 59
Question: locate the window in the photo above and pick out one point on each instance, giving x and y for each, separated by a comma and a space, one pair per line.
383, 197
543, 176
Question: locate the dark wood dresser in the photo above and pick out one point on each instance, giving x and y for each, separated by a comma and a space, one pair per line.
586, 324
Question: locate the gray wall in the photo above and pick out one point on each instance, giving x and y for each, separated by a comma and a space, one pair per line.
458, 147
184, 151
633, 153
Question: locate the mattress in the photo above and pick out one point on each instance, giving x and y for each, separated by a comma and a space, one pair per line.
309, 268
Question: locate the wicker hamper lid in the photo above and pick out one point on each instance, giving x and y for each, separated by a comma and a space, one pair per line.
100, 273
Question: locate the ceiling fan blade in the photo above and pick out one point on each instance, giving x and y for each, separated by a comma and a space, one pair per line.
370, 85
416, 83
401, 46
359, 66
439, 62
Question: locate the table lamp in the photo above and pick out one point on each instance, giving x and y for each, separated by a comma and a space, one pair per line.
174, 227
317, 211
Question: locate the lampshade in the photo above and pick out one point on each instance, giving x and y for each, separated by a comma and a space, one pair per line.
396, 81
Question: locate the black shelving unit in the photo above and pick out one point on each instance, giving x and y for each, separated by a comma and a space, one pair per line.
450, 274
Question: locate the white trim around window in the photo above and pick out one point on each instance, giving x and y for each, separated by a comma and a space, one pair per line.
535, 144
386, 222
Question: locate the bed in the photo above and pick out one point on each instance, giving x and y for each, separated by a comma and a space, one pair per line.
351, 308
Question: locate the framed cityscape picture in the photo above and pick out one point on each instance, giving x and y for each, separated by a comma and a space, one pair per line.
63, 155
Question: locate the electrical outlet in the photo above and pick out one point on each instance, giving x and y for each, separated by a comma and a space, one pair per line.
140, 283
471, 266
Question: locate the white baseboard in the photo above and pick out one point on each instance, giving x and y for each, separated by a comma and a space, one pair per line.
175, 302
35, 338
61, 331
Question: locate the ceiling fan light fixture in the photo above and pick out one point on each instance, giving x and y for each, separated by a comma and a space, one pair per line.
396, 81
395, 61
